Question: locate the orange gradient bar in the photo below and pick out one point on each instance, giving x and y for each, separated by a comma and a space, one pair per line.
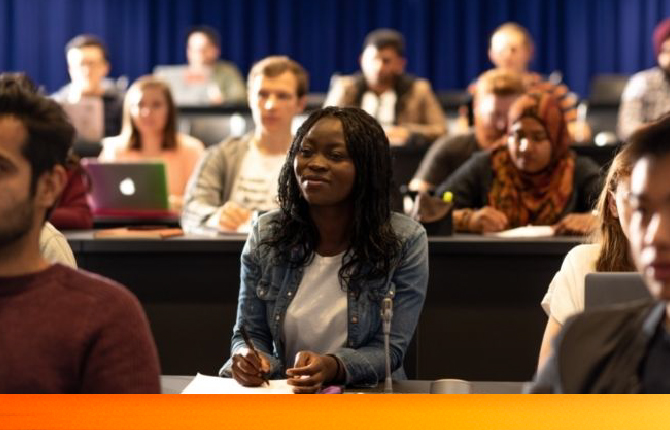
421, 412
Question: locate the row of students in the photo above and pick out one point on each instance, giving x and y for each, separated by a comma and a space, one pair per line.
334, 224
334, 236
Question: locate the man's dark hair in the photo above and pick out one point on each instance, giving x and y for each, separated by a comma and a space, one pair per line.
384, 38
49, 132
652, 139
374, 246
210, 33
87, 41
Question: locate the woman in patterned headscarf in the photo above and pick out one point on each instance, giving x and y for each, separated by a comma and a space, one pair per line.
532, 177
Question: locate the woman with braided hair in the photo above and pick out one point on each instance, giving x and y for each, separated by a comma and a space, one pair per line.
315, 272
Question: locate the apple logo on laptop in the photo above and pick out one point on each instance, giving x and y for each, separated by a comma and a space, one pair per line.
127, 187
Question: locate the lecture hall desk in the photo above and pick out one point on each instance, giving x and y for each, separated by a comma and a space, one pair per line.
482, 319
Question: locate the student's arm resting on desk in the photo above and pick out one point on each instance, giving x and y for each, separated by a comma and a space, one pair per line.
366, 365
204, 193
252, 310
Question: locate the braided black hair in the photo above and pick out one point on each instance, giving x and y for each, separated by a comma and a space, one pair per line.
374, 246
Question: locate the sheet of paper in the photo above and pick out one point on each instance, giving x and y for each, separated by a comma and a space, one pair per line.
203, 384
527, 231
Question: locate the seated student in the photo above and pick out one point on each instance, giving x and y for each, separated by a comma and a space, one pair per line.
532, 179
54, 247
88, 65
624, 348
72, 211
205, 80
511, 48
240, 174
496, 90
609, 252
315, 272
150, 133
71, 331
647, 94
403, 104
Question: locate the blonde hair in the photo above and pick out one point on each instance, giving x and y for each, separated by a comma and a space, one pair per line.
128, 128
514, 28
614, 253
499, 82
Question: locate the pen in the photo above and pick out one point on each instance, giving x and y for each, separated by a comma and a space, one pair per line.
250, 345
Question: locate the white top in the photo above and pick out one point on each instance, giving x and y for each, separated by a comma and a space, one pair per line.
54, 247
256, 184
565, 295
316, 319
381, 107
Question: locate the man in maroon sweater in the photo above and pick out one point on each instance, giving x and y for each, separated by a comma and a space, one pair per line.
63, 330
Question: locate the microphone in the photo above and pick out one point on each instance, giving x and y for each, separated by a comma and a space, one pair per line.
387, 314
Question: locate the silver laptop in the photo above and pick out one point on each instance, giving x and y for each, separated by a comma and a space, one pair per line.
127, 187
187, 88
602, 289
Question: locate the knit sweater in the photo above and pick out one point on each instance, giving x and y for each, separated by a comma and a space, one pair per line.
69, 331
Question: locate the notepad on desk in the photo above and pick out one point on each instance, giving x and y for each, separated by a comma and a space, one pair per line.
526, 231
203, 384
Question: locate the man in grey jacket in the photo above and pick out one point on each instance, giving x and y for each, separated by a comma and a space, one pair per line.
239, 175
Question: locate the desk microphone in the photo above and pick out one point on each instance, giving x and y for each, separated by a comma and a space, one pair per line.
387, 314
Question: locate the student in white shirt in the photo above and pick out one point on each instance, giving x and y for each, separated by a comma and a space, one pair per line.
315, 272
608, 253
239, 175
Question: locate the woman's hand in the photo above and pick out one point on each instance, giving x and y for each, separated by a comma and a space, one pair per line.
311, 371
233, 216
487, 219
583, 223
247, 369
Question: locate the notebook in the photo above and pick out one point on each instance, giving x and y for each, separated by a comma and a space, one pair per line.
611, 288
127, 188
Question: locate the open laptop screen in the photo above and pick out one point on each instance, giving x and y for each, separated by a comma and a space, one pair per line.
127, 186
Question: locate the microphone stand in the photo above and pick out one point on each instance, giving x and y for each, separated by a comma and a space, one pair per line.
387, 314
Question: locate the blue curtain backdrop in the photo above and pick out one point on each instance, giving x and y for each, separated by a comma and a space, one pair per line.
447, 39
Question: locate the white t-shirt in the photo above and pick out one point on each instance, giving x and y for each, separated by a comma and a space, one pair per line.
316, 319
565, 295
54, 247
256, 184
381, 107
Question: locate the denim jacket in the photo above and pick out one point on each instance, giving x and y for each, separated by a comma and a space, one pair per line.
266, 290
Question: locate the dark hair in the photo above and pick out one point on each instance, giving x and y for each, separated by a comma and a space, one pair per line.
384, 38
614, 255
652, 139
49, 131
374, 246
276, 65
129, 129
210, 33
87, 41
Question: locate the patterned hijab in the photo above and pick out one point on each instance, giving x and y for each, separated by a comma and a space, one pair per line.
534, 198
